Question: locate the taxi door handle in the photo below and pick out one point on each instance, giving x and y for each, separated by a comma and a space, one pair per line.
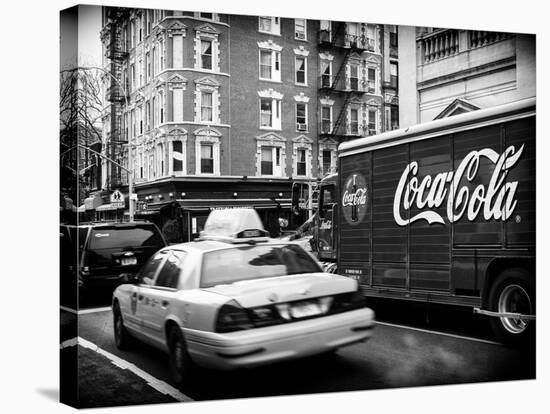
165, 303
140, 297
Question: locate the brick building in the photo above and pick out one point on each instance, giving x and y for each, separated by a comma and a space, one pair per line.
228, 110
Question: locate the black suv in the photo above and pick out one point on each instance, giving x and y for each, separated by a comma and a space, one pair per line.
111, 252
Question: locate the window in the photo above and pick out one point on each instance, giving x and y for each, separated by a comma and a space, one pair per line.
177, 52
354, 77
133, 74
148, 115
326, 160
206, 15
147, 273
270, 161
270, 113
301, 162
326, 119
140, 119
154, 113
161, 55
300, 29
207, 159
141, 165
270, 65
393, 75
140, 71
155, 61
177, 105
170, 272
270, 25
326, 79
372, 122
394, 115
266, 113
354, 121
177, 156
371, 73
352, 33
393, 38
147, 67
161, 107
206, 54
206, 107
260, 261
301, 116
301, 70
160, 160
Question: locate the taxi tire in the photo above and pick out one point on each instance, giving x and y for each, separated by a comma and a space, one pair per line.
181, 365
122, 337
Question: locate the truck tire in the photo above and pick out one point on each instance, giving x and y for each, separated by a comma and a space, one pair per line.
513, 291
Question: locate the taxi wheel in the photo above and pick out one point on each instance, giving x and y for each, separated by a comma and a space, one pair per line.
181, 365
122, 337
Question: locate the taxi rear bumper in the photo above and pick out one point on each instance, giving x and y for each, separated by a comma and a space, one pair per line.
259, 346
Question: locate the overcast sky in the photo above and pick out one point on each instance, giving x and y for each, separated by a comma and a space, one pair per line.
89, 42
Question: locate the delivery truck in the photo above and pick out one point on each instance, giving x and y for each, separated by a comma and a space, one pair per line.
441, 212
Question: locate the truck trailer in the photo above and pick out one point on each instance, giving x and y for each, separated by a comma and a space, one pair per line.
441, 212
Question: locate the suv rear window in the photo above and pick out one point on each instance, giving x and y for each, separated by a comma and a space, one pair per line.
111, 237
255, 262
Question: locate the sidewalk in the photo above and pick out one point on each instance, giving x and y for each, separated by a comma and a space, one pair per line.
101, 383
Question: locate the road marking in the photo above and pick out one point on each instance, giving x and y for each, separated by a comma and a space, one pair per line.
68, 343
157, 384
94, 310
68, 310
85, 311
467, 338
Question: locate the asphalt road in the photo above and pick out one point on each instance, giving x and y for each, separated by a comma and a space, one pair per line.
396, 356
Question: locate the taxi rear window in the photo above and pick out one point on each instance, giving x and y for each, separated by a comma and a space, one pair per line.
254, 262
128, 237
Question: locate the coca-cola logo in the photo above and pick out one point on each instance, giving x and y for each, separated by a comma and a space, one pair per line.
354, 198
496, 201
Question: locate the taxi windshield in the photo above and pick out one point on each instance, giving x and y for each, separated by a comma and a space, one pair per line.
254, 262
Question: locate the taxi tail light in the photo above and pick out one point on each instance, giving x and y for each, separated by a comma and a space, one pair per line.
232, 317
348, 301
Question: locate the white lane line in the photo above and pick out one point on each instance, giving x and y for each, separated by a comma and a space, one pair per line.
467, 338
68, 343
66, 309
85, 311
157, 384
94, 310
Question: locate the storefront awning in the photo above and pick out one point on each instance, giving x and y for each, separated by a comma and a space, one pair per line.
207, 205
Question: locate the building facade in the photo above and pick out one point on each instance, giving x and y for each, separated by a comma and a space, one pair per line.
448, 71
250, 102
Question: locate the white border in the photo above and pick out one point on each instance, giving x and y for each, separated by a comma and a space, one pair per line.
30, 304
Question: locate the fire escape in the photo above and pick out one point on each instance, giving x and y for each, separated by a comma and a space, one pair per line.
339, 87
115, 94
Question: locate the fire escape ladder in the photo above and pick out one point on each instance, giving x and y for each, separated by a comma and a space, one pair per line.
340, 121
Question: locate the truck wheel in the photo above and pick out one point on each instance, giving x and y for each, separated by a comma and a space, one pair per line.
181, 365
122, 337
512, 291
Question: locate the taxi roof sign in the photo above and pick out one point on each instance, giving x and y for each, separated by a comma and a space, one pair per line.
235, 224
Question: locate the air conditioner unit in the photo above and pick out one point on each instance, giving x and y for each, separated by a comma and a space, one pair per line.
372, 131
301, 127
300, 35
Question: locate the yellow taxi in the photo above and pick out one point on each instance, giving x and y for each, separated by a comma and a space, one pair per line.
236, 298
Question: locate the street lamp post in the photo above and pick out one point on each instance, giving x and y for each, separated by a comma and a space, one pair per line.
130, 169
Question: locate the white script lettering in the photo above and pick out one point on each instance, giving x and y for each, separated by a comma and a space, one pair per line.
496, 200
